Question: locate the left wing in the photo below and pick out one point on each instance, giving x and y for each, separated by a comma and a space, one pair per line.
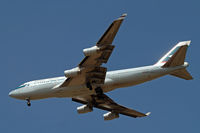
90, 71
106, 103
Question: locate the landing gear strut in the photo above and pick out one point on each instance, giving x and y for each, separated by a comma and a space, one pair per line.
28, 102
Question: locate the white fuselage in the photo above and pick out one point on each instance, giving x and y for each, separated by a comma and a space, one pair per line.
47, 88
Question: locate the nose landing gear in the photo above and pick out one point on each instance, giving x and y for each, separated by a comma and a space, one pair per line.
28, 102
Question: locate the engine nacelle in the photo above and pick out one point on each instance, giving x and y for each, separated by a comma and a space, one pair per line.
91, 51
72, 72
110, 116
84, 109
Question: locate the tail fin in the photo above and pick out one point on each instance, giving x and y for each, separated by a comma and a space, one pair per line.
176, 57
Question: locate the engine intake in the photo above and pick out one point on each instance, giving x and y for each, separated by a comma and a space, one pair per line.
110, 116
84, 109
72, 72
91, 51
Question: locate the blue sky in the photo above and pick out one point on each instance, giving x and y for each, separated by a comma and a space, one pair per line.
42, 38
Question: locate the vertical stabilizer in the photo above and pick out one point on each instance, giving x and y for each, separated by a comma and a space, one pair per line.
176, 56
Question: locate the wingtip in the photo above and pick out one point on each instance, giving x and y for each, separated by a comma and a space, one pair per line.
122, 16
148, 113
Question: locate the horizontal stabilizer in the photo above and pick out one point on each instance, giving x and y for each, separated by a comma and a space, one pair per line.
148, 113
183, 73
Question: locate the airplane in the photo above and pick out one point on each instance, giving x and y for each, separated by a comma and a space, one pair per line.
89, 81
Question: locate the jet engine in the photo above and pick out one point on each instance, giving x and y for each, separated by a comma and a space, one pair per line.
84, 109
91, 51
72, 72
110, 116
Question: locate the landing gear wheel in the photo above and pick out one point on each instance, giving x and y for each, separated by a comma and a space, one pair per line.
28, 102
99, 91
89, 85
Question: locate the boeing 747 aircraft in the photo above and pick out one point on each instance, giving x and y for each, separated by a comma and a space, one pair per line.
89, 81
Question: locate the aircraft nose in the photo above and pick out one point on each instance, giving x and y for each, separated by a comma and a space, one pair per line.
14, 93
11, 94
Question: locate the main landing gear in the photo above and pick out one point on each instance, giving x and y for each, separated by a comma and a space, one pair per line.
98, 90
28, 102
89, 85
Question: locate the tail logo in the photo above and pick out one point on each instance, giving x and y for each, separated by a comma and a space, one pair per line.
170, 55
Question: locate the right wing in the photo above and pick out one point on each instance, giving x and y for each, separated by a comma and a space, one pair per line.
105, 103
90, 67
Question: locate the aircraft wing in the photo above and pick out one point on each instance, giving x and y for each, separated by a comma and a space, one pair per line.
110, 33
90, 67
105, 103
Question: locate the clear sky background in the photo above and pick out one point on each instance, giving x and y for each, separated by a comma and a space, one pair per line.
42, 38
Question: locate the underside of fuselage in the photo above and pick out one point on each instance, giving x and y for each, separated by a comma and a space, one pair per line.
114, 79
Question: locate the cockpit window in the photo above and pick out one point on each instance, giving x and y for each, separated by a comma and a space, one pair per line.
21, 86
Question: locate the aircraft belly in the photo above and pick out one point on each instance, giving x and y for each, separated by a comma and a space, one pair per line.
114, 81
73, 91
